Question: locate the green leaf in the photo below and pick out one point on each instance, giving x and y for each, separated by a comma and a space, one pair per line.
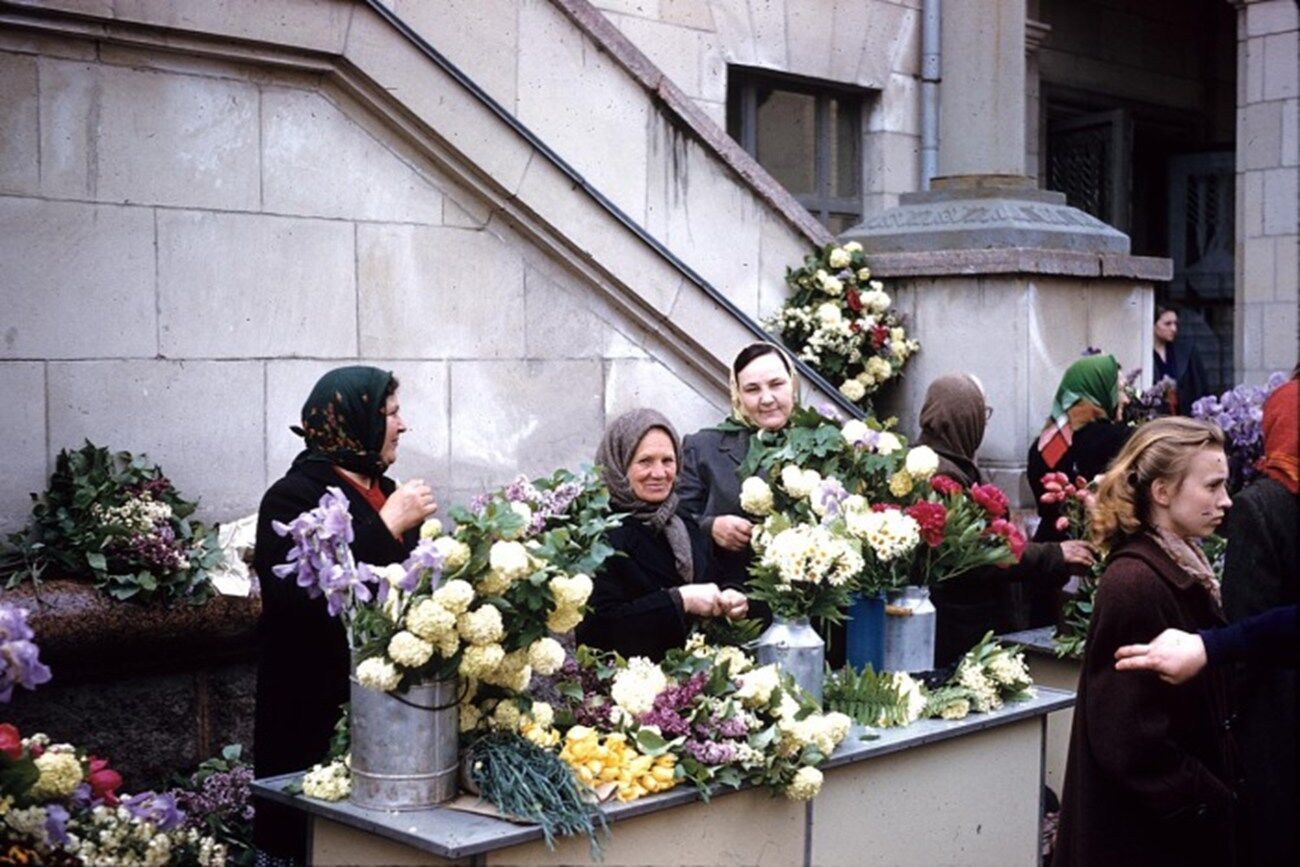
97, 561
651, 744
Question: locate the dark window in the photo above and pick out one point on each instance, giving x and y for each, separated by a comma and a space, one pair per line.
807, 135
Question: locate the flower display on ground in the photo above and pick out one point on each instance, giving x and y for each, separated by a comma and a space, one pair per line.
114, 520
841, 322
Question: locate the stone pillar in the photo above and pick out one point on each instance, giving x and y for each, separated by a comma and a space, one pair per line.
1002, 279
982, 95
1036, 34
1268, 187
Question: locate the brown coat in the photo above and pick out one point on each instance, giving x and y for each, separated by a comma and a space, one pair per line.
1152, 767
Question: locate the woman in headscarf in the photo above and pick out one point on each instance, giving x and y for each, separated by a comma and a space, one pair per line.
1082, 434
1152, 767
351, 424
764, 390
953, 419
1260, 573
645, 596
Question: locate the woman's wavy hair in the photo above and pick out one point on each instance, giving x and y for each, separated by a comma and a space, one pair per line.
1161, 449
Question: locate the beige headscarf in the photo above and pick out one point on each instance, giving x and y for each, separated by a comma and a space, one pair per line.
738, 413
615, 454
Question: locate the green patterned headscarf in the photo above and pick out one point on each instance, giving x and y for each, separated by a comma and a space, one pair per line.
343, 420
1094, 378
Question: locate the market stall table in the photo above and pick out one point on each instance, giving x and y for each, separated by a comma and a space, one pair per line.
935, 792
1048, 669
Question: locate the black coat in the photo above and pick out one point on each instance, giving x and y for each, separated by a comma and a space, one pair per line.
709, 486
632, 609
1094, 446
303, 661
1260, 574
1183, 365
1152, 767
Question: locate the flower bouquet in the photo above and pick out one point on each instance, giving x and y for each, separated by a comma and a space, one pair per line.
115, 520
839, 320
60, 805
1240, 412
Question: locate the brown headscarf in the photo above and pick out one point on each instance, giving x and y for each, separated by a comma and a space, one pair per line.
614, 456
1281, 461
952, 423
737, 405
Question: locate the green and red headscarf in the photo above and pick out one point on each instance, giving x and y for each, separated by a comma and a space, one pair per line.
1095, 379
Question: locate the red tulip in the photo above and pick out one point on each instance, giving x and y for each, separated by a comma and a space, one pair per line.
11, 743
103, 780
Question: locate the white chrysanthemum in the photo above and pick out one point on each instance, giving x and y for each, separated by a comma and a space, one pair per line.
378, 673
756, 686
799, 483
570, 591
853, 390
431, 529
922, 462
635, 687
876, 301
481, 661
878, 368
839, 258
890, 533
455, 553
756, 497
60, 774
806, 784
430, 621
510, 560
481, 626
546, 655
408, 650
455, 595
887, 443
828, 314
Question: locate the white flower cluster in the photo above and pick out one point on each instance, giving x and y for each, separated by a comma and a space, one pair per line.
1009, 672
331, 782
890, 533
60, 773
757, 686
922, 462
140, 514
982, 691
570, 592
635, 687
811, 553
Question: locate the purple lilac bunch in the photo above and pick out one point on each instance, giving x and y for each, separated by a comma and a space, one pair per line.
710, 726
20, 662
1240, 412
544, 504
1148, 404
321, 559
224, 793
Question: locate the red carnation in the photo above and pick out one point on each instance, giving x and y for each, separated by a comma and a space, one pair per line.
879, 334
1011, 534
854, 300
932, 517
993, 500
884, 507
945, 485
103, 781
11, 743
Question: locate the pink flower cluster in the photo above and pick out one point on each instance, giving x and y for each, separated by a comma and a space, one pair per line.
1010, 532
991, 499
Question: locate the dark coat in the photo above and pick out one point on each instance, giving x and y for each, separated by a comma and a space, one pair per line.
1183, 365
1260, 574
709, 486
632, 609
1091, 451
303, 662
1152, 767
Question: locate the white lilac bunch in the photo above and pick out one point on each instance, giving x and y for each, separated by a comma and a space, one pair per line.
331, 781
991, 674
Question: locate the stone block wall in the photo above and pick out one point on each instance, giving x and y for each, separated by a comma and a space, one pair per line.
189, 242
1268, 188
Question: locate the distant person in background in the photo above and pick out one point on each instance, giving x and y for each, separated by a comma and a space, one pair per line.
1177, 361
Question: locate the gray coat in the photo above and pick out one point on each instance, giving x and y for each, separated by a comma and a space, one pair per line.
709, 485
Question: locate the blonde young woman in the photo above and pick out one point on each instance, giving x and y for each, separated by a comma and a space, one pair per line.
1152, 768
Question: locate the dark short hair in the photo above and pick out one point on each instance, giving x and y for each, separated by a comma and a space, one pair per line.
757, 350
1163, 308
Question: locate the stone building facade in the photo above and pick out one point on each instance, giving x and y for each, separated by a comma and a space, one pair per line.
541, 212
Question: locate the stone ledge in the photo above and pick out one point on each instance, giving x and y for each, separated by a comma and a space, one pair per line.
1019, 260
85, 635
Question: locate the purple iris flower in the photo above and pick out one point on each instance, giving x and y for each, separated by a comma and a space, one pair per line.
20, 662
830, 493
161, 810
425, 558
56, 824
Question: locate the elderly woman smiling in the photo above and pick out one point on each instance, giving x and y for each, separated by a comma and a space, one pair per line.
644, 598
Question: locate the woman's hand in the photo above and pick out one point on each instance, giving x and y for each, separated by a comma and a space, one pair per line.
1078, 554
733, 604
731, 532
1175, 655
408, 507
700, 600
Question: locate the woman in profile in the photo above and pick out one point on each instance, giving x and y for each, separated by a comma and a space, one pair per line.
646, 595
351, 424
1152, 767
